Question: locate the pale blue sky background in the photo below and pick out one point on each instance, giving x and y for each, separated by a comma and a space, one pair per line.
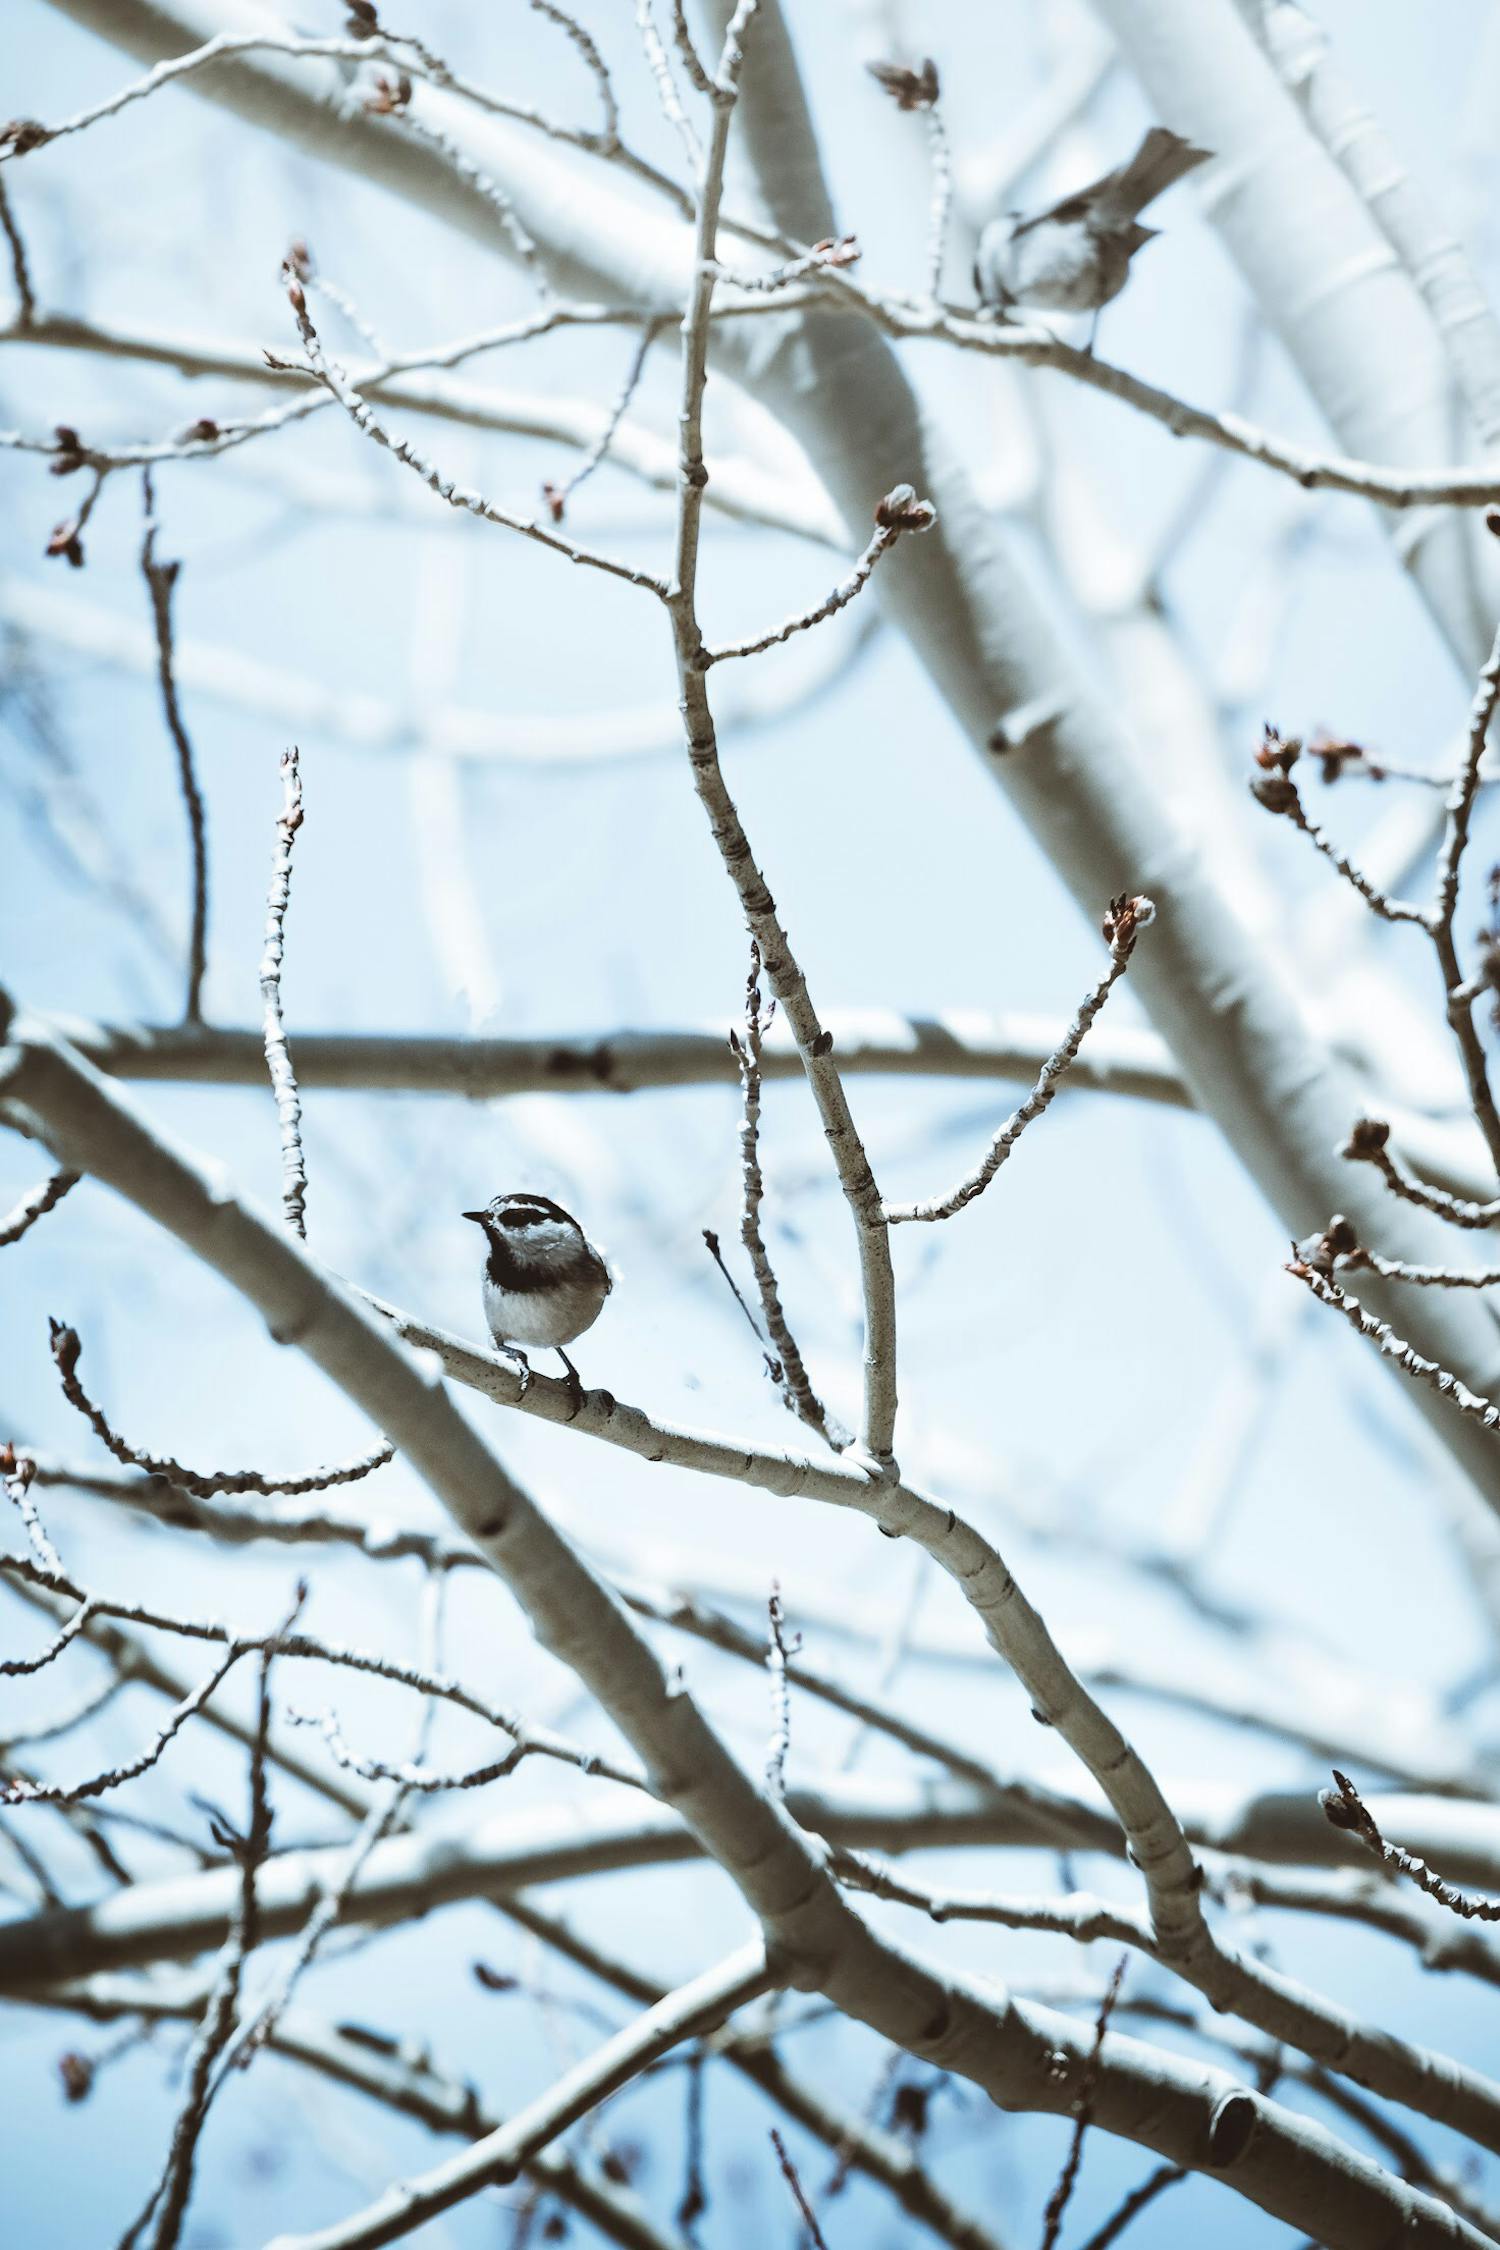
906, 882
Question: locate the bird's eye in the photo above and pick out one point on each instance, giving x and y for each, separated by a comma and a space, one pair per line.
519, 1218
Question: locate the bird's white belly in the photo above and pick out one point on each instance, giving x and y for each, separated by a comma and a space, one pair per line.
545, 1317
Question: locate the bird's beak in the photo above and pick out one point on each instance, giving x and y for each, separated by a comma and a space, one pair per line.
479, 1217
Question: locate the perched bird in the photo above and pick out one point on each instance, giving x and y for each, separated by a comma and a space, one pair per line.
1075, 256
544, 1282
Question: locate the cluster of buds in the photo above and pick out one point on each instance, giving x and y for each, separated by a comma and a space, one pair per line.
1124, 919
1272, 785
840, 250
901, 510
909, 88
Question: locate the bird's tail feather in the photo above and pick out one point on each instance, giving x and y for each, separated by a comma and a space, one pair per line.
1161, 160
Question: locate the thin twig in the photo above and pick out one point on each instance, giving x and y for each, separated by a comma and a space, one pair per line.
17, 1792
67, 1350
1346, 1809
685, 2014
1155, 2184
1392, 1346
1368, 1144
666, 86
899, 511
36, 1205
1083, 2110
557, 496
788, 1366
20, 271
693, 2201
1460, 810
778, 1650
759, 908
942, 197
692, 61
161, 578
799, 2193
278, 1054
1126, 918
19, 1470
170, 2197
473, 503
1273, 787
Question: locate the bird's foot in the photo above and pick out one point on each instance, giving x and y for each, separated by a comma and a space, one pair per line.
575, 1385
520, 1362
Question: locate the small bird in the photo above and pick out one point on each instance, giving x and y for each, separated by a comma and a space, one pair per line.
544, 1282
1075, 256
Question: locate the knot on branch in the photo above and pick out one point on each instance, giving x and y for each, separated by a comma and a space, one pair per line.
910, 87
901, 510
1231, 2129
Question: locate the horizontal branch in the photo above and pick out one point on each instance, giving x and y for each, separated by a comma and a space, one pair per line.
868, 1042
961, 1044
178, 1918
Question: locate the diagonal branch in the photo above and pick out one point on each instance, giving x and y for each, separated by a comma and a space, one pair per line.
699, 2006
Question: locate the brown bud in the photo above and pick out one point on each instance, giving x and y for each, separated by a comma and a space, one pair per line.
201, 432
1367, 1137
23, 134
65, 541
1277, 753
65, 1345
363, 21
1125, 918
908, 88
843, 252
901, 510
77, 2075
1276, 792
556, 501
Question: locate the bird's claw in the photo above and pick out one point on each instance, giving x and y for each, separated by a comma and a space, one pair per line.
575, 1384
